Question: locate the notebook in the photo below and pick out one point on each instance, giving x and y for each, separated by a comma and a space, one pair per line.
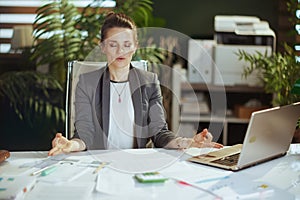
269, 134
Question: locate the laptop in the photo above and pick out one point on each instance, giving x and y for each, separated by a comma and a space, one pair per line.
269, 135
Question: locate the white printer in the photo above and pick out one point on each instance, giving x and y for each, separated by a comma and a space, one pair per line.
216, 62
234, 33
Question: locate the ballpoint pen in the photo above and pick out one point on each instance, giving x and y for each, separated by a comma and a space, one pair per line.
181, 182
41, 170
48, 171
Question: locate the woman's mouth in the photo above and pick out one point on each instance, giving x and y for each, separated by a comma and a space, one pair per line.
120, 58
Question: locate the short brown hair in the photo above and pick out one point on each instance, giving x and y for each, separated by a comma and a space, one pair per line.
120, 20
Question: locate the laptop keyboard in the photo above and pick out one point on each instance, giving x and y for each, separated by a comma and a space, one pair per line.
228, 160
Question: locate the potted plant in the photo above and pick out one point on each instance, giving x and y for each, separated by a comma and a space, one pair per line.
279, 72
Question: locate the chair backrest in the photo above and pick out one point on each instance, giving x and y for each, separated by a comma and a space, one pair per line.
75, 68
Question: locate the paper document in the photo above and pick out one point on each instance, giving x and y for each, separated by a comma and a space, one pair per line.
199, 151
15, 187
65, 172
132, 161
73, 190
49, 160
120, 185
205, 176
285, 176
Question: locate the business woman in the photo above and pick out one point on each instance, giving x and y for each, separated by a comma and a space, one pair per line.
120, 106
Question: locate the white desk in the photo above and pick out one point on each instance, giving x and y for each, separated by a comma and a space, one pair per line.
276, 179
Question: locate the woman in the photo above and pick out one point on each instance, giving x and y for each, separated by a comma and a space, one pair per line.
120, 106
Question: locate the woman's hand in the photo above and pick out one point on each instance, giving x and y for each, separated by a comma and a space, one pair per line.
204, 139
200, 140
60, 144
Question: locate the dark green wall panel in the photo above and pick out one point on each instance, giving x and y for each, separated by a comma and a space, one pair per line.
195, 17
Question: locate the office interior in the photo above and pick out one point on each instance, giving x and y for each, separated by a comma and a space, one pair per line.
195, 19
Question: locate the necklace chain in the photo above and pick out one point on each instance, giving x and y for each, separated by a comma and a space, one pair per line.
119, 93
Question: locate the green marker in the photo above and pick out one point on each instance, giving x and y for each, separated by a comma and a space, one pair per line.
48, 171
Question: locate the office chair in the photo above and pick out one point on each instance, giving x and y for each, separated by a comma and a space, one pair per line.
75, 68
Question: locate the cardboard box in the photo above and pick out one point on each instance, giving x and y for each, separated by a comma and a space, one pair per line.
245, 112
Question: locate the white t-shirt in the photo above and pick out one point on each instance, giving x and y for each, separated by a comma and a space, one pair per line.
121, 117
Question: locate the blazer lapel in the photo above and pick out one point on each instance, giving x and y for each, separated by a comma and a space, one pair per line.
105, 95
135, 88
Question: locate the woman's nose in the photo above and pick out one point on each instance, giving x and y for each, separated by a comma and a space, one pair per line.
120, 49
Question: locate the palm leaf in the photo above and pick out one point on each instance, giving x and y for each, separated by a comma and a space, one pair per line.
29, 92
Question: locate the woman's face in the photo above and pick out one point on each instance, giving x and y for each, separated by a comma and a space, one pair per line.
119, 46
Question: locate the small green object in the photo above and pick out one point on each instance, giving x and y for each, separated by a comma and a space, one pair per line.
150, 177
48, 171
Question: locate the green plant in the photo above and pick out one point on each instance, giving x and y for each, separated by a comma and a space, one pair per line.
292, 7
71, 35
33, 95
56, 21
63, 34
279, 72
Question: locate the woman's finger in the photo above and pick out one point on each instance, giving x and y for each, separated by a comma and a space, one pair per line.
212, 145
53, 151
55, 140
218, 145
207, 145
203, 136
208, 137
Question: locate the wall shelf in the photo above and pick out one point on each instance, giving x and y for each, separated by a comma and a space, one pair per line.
231, 127
218, 88
230, 119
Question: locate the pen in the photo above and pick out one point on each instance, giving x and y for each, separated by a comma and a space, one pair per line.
40, 170
99, 167
48, 171
181, 182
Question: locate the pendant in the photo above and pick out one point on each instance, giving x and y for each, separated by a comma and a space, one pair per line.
119, 99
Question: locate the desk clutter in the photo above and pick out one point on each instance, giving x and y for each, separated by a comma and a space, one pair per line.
96, 175
43, 178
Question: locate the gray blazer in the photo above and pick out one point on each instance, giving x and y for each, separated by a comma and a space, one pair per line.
92, 99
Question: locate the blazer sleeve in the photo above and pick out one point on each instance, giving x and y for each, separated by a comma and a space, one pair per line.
84, 126
158, 126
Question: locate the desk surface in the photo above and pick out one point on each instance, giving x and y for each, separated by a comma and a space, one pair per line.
276, 179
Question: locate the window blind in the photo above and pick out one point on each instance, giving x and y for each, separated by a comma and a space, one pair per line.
22, 12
